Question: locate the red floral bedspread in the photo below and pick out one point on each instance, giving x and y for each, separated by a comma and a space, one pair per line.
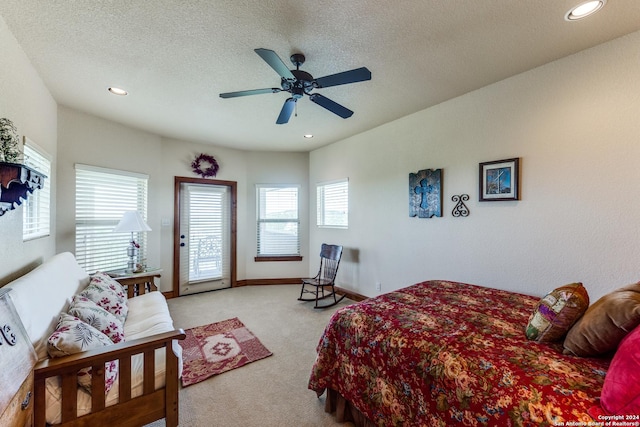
444, 353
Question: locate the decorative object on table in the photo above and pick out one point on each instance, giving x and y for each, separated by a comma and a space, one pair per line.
219, 347
132, 222
425, 193
9, 142
460, 209
500, 180
205, 165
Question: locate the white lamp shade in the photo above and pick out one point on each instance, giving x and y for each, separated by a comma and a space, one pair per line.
131, 222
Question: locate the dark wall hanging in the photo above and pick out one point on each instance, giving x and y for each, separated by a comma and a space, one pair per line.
425, 193
460, 209
16, 183
205, 165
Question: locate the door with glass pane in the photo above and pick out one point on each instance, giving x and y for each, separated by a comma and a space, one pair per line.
205, 238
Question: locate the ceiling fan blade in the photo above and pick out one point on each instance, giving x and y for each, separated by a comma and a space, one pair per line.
330, 105
249, 92
274, 61
351, 76
285, 113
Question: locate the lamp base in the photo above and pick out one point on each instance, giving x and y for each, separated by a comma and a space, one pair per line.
132, 253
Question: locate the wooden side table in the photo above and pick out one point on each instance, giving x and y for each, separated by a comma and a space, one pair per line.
17, 359
137, 283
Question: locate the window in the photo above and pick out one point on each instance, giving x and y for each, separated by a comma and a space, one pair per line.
278, 221
102, 197
205, 214
333, 204
36, 218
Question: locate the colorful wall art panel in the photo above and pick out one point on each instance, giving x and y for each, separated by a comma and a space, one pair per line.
425, 193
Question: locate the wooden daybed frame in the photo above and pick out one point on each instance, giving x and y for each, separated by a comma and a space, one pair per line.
152, 405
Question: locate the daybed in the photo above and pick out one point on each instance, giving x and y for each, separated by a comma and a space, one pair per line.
131, 383
442, 353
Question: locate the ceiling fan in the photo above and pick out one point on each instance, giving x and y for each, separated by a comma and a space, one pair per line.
299, 83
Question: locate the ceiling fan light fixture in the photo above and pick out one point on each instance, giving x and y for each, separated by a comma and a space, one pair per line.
584, 9
118, 91
300, 83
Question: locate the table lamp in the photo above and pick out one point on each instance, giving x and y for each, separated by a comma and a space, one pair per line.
132, 222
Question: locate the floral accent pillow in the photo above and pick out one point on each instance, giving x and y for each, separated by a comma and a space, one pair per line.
72, 336
556, 313
107, 295
111, 283
96, 316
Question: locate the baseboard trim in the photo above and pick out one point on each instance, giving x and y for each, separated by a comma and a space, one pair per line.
258, 282
350, 294
291, 281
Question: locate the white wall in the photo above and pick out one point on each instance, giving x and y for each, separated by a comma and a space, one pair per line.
575, 125
87, 139
277, 168
26, 101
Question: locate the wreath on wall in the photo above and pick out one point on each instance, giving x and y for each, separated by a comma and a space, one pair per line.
205, 165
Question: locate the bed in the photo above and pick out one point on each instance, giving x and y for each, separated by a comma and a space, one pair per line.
443, 353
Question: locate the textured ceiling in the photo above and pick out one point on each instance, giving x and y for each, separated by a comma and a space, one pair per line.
175, 57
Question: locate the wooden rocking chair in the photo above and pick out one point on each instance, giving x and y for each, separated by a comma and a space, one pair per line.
329, 260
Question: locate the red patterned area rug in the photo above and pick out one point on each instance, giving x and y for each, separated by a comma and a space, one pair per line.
216, 348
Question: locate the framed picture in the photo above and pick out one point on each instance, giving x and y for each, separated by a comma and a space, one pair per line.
500, 180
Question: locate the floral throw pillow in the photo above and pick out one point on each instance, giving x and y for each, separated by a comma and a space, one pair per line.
72, 336
111, 283
107, 296
96, 316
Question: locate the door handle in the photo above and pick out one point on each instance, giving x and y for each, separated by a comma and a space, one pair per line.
181, 244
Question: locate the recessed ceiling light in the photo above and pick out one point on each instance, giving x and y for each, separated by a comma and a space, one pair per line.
308, 136
118, 91
584, 9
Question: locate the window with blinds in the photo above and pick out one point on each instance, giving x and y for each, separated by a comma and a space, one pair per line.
278, 220
102, 197
36, 213
333, 204
207, 209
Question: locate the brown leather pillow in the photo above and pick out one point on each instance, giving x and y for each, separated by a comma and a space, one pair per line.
605, 323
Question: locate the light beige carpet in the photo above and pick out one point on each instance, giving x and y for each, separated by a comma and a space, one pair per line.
272, 392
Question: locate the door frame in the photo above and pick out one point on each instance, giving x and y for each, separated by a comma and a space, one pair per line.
233, 189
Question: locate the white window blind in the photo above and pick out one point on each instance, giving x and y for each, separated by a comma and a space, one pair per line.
207, 208
36, 214
278, 220
333, 204
102, 197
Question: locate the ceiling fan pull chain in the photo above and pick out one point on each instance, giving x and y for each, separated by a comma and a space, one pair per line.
296, 113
